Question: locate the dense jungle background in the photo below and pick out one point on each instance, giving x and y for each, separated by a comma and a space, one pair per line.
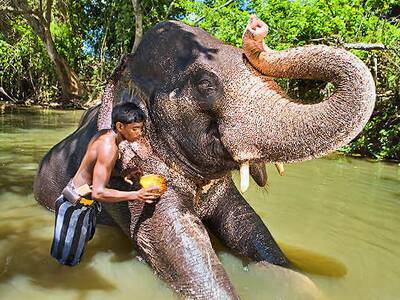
59, 53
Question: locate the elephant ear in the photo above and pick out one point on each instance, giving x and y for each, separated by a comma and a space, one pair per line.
119, 89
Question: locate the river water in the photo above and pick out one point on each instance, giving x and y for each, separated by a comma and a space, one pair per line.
336, 218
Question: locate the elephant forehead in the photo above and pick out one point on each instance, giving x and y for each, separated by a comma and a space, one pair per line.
170, 48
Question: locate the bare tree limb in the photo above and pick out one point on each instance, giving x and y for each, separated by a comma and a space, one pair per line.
138, 24
336, 41
7, 95
49, 6
364, 46
219, 7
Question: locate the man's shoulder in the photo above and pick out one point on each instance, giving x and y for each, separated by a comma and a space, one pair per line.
107, 142
107, 135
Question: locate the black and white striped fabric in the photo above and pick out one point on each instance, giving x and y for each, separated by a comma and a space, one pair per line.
74, 227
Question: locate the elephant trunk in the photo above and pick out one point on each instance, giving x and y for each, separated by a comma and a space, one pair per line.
277, 129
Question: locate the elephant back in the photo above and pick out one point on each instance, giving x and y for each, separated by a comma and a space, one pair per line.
62, 161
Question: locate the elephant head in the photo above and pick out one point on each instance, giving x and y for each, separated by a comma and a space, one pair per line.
214, 111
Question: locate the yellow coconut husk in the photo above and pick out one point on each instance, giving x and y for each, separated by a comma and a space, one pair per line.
154, 180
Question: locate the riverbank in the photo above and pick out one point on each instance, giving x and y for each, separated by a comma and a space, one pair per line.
70, 105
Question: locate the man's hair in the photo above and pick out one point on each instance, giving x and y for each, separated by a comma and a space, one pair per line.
127, 113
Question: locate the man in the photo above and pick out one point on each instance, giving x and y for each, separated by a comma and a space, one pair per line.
76, 215
102, 153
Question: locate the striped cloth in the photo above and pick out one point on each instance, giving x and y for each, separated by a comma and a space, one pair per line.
74, 227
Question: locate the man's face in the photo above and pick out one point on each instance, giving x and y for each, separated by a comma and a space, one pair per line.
131, 132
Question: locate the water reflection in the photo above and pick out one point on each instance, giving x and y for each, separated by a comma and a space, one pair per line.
25, 252
16, 120
312, 262
25, 136
337, 219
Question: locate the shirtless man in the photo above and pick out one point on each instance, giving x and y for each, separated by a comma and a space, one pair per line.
76, 216
102, 153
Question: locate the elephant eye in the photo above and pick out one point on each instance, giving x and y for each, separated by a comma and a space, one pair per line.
205, 85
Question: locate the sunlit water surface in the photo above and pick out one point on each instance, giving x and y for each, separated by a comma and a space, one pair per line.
338, 220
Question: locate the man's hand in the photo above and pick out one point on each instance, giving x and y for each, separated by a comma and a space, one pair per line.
148, 195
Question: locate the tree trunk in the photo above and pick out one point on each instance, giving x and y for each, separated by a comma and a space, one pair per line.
39, 20
138, 24
70, 84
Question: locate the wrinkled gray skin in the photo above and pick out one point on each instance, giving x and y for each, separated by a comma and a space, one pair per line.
208, 110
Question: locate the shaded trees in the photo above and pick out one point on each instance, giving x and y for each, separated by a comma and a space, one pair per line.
39, 19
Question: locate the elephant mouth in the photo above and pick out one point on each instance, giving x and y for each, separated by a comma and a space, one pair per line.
250, 164
255, 169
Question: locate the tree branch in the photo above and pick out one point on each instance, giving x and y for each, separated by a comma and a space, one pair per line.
138, 24
49, 6
336, 41
364, 46
7, 95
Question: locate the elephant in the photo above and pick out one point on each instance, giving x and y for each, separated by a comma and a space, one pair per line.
211, 109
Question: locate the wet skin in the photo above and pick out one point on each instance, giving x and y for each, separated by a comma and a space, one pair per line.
99, 161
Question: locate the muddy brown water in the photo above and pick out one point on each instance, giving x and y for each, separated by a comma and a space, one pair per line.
337, 219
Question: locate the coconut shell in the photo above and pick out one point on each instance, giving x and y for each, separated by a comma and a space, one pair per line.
153, 180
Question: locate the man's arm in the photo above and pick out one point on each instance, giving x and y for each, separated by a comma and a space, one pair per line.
106, 158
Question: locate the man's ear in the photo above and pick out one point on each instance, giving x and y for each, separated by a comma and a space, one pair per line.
119, 126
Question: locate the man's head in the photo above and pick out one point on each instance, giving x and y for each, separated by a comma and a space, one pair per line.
128, 120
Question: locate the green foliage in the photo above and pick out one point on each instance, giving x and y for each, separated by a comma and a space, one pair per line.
25, 69
380, 138
226, 23
92, 35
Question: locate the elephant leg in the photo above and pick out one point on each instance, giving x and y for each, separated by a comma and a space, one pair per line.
238, 226
176, 244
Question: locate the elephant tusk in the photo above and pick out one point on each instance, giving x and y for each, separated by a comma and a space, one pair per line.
279, 167
244, 176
